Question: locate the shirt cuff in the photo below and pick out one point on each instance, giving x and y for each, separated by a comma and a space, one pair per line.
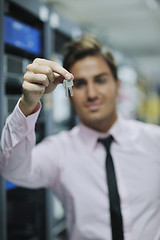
20, 122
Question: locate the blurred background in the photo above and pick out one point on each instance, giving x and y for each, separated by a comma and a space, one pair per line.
40, 28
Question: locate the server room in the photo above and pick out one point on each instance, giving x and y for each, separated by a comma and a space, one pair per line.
80, 120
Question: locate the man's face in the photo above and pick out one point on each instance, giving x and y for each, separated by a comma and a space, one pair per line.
95, 91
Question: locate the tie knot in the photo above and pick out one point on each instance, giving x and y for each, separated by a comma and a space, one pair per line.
106, 141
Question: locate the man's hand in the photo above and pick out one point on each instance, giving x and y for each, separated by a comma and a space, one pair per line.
42, 76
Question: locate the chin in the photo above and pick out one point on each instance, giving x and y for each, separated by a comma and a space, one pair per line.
93, 120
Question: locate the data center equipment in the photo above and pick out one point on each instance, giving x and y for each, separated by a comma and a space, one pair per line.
28, 33
23, 40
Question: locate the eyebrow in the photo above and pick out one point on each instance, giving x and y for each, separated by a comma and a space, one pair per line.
95, 77
101, 75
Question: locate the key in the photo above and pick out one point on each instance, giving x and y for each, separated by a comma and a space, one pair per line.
65, 87
68, 87
71, 91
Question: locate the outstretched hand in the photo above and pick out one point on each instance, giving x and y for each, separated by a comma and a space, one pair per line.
42, 76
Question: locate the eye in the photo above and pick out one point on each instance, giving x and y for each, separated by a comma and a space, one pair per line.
101, 80
78, 83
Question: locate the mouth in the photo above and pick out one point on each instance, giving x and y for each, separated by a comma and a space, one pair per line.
93, 106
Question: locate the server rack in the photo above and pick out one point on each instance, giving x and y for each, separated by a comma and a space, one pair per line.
51, 226
20, 220
3, 221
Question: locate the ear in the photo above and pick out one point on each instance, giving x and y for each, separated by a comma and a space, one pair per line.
118, 83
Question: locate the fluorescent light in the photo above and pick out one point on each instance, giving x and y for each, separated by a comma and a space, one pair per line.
152, 3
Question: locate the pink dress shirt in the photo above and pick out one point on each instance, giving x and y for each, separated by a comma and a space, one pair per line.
72, 165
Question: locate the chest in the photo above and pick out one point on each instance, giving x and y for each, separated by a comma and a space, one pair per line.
84, 174
138, 172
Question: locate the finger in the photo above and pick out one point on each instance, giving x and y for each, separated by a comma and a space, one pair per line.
36, 78
33, 88
56, 67
35, 68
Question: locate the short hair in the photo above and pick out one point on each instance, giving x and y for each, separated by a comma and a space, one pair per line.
87, 45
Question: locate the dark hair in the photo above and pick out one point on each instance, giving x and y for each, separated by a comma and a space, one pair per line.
87, 45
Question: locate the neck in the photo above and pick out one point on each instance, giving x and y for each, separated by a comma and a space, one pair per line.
102, 126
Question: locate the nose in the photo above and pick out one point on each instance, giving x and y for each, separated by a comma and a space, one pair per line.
91, 91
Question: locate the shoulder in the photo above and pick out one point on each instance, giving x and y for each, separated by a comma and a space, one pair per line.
146, 132
144, 127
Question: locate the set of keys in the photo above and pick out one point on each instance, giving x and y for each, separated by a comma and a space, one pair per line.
68, 87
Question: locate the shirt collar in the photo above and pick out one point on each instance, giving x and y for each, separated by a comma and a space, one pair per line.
90, 136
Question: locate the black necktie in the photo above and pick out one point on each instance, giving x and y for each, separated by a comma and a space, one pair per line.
115, 209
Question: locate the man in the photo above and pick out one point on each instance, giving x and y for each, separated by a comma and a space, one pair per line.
117, 197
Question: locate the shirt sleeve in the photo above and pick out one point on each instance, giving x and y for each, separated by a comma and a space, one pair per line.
21, 162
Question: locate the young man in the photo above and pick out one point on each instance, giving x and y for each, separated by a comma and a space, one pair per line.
117, 197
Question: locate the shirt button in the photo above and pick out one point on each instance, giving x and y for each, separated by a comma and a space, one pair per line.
21, 128
9, 148
127, 235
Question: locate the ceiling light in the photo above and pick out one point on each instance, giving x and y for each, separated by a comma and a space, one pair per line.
153, 3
